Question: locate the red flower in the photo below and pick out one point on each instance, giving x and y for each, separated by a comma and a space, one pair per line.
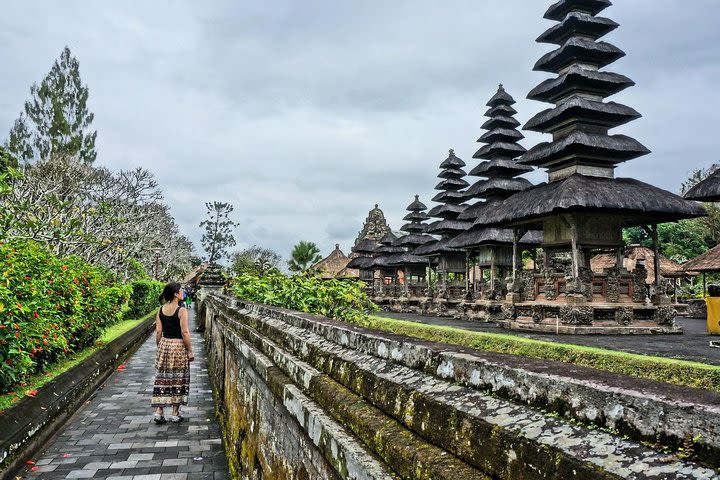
31, 393
30, 462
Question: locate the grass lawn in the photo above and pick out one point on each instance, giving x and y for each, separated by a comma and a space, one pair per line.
36, 381
668, 370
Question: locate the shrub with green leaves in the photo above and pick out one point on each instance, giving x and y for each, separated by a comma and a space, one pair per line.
339, 299
144, 297
50, 307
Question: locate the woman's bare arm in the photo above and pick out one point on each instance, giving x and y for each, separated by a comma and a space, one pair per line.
186, 332
158, 329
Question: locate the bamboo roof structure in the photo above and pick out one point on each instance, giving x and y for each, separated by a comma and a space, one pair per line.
668, 268
707, 262
331, 265
707, 190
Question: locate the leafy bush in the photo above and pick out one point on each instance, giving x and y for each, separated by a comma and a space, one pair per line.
49, 307
340, 299
144, 297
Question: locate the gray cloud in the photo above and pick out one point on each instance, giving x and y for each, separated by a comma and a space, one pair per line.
306, 114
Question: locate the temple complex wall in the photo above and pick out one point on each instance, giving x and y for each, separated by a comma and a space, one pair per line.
307, 397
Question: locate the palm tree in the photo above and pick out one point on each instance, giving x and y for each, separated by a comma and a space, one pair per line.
303, 256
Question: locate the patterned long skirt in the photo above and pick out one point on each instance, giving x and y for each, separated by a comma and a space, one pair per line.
172, 373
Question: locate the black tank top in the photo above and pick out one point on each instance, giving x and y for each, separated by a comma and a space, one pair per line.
171, 324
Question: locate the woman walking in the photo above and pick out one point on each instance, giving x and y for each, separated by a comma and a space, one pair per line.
172, 367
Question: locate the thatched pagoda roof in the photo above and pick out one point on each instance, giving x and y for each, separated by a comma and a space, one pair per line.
638, 202
436, 248
331, 265
560, 9
367, 245
706, 191
447, 225
407, 258
707, 262
578, 22
668, 268
580, 49
609, 115
360, 262
609, 149
477, 237
578, 79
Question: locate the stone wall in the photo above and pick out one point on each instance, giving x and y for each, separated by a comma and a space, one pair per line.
304, 397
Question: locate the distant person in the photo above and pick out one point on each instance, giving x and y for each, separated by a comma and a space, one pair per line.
174, 354
188, 296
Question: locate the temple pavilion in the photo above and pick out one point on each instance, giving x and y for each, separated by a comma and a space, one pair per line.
491, 248
363, 250
449, 262
583, 207
410, 278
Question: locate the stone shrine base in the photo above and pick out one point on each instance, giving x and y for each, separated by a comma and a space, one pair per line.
557, 317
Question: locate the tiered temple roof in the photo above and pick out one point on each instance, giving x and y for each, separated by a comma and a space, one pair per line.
450, 199
374, 227
498, 171
414, 238
386, 249
581, 158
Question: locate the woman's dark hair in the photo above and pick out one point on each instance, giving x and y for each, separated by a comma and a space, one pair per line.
169, 291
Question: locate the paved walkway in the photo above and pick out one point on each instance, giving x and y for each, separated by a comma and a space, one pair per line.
113, 437
693, 344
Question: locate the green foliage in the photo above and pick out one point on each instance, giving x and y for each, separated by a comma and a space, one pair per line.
339, 299
679, 241
136, 270
255, 260
218, 235
144, 297
303, 256
56, 120
50, 307
7, 161
668, 370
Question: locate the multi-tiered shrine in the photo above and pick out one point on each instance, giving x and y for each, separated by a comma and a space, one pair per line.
583, 207
450, 263
491, 248
410, 280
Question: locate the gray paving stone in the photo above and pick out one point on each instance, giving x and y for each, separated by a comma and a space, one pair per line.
113, 436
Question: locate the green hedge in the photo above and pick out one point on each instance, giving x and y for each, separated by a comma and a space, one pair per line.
50, 307
144, 297
340, 299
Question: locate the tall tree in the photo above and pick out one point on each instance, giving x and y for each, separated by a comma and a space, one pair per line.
303, 256
256, 260
56, 120
218, 236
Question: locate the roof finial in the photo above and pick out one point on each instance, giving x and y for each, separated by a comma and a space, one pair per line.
417, 196
500, 87
337, 246
376, 205
452, 152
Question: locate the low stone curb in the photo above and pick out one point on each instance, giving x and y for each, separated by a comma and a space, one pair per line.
32, 422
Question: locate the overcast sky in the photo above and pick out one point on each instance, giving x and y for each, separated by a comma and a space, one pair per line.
304, 114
